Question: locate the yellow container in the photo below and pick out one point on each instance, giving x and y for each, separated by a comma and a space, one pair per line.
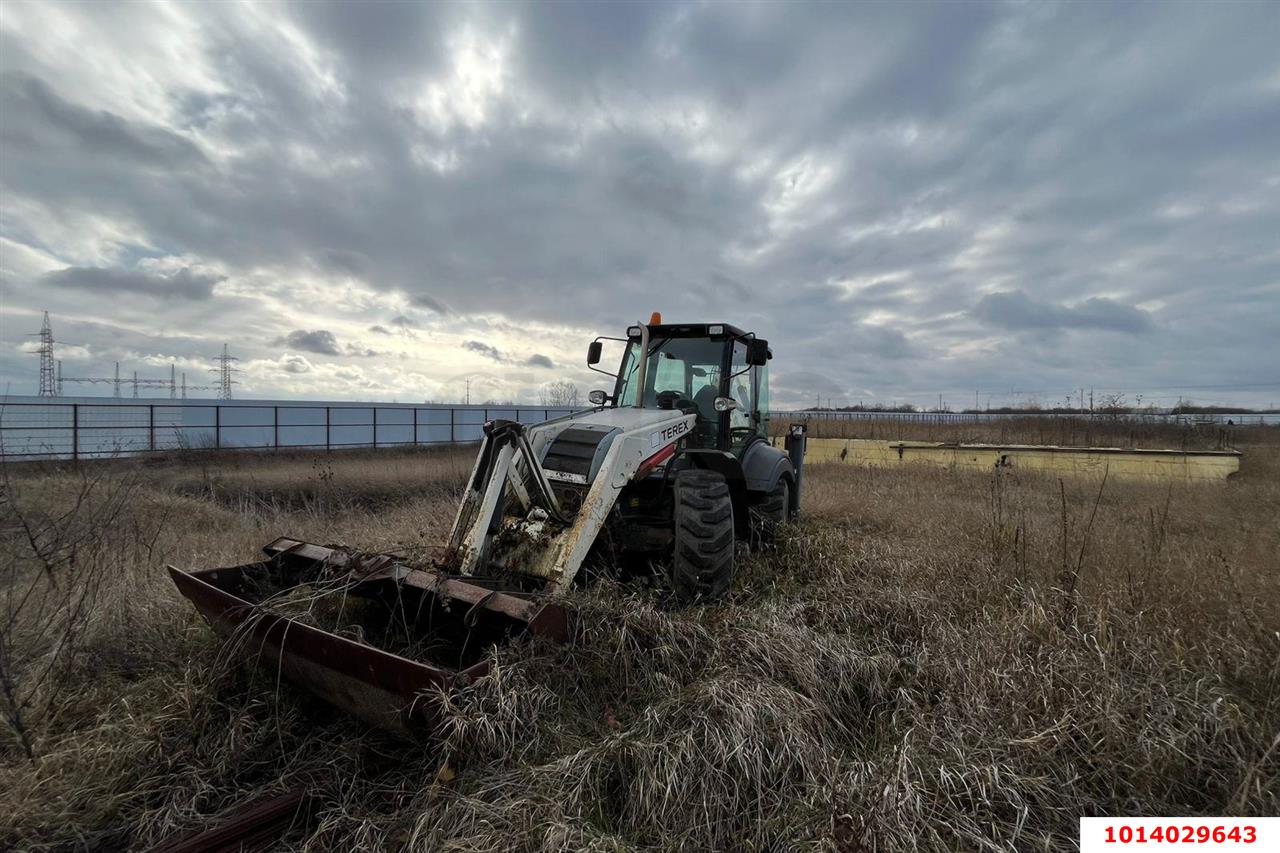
1186, 465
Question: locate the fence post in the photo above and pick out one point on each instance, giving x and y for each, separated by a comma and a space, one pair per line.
217, 427
151, 426
275, 427
75, 431
452, 440
415, 426
375, 427
326, 429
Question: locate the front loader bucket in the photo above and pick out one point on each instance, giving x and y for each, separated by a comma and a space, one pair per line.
438, 628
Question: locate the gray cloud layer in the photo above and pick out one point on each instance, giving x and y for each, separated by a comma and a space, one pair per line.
895, 195
1017, 311
59, 126
183, 284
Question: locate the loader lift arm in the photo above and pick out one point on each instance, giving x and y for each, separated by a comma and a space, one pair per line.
550, 542
503, 444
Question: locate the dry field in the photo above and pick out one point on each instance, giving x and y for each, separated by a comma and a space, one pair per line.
928, 661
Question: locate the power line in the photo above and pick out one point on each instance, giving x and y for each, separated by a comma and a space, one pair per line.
52, 379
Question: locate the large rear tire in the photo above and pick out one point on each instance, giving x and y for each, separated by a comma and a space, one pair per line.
702, 566
771, 513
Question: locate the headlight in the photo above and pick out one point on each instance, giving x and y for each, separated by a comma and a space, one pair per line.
725, 404
715, 330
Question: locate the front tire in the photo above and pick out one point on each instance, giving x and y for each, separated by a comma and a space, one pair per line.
702, 565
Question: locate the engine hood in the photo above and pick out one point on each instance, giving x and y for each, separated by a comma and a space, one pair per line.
572, 449
625, 419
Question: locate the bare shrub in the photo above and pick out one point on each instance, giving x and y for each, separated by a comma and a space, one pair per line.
60, 551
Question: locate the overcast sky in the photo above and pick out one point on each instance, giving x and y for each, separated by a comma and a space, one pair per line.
377, 201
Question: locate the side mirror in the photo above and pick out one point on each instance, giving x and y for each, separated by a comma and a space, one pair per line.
757, 352
597, 397
593, 352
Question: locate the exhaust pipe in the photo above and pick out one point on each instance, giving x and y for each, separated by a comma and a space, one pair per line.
644, 365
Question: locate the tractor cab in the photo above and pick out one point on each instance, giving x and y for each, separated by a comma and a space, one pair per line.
713, 370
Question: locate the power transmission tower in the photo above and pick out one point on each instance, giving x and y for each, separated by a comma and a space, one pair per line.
48, 379
52, 380
226, 371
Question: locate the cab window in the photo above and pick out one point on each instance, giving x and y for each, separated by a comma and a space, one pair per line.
688, 366
672, 374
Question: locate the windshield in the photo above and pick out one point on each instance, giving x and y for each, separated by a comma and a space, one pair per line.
688, 366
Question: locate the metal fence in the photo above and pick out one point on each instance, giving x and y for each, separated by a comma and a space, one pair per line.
96, 427
87, 428
1251, 419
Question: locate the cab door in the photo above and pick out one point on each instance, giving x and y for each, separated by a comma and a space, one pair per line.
760, 378
743, 388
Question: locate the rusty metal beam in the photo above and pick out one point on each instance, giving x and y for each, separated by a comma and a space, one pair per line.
255, 825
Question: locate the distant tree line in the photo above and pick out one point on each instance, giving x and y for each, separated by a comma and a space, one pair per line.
1111, 404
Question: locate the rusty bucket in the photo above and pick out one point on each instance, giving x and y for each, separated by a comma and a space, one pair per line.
400, 635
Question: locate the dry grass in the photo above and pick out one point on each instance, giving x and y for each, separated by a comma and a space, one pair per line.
930, 661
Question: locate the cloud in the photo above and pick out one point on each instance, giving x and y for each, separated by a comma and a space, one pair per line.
486, 350
184, 283
295, 364
320, 341
422, 300
809, 382
490, 170
490, 351
379, 330
344, 260
1016, 310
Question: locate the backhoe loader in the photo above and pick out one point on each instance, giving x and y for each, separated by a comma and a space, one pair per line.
671, 467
